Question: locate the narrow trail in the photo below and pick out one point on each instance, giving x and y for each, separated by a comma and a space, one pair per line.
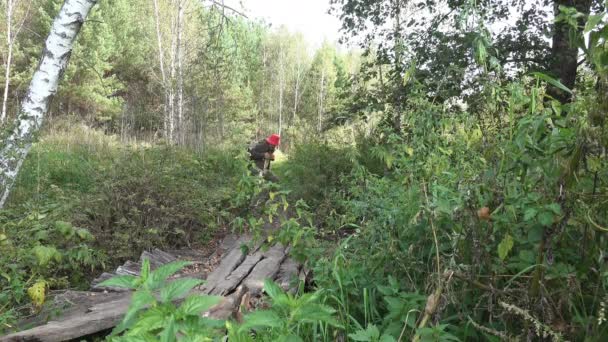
228, 271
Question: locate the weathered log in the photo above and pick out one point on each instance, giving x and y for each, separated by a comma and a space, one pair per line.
245, 273
228, 306
96, 318
129, 268
288, 277
235, 277
267, 268
156, 258
228, 264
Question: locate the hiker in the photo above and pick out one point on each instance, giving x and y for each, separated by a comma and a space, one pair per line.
262, 153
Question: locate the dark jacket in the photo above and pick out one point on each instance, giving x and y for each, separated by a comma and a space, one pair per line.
257, 152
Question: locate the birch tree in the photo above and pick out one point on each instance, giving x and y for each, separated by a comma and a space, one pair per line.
43, 86
11, 35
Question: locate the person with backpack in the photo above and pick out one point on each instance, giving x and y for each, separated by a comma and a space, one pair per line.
262, 154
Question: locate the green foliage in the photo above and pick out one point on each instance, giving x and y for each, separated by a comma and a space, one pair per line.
290, 318
128, 198
37, 248
314, 169
150, 317
133, 197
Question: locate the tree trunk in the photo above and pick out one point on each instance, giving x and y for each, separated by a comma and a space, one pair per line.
180, 77
321, 94
564, 53
163, 74
281, 87
9, 45
172, 73
43, 86
296, 93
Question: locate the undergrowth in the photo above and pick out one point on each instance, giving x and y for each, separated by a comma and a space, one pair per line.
85, 202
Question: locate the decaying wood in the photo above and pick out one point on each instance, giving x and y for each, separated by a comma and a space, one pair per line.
156, 258
228, 306
129, 268
229, 263
230, 282
97, 318
288, 275
238, 276
267, 268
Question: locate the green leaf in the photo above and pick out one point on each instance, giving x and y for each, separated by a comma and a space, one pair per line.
168, 335
161, 274
529, 214
149, 321
316, 313
370, 334
552, 81
145, 270
272, 289
505, 247
535, 234
261, 319
387, 338
593, 21
290, 338
178, 288
124, 281
546, 218
195, 305
84, 234
65, 228
139, 300
45, 254
555, 208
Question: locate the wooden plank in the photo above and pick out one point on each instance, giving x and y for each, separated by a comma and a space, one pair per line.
129, 268
156, 258
235, 277
287, 278
267, 268
237, 271
228, 306
228, 264
97, 318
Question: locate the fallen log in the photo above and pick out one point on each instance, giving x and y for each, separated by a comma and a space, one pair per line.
238, 275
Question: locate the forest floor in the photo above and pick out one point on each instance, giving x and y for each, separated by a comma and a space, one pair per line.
234, 266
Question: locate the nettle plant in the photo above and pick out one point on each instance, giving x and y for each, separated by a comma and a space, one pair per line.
159, 311
154, 313
289, 318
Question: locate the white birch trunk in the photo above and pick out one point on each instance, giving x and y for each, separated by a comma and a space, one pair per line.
321, 94
43, 86
171, 81
180, 77
281, 88
9, 58
296, 95
163, 74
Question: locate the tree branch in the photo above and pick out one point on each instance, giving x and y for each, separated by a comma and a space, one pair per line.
223, 5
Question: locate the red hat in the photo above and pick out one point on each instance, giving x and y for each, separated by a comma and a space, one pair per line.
274, 140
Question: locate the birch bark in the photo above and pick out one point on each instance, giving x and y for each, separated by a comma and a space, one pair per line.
320, 99
9, 44
180, 76
11, 35
43, 86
